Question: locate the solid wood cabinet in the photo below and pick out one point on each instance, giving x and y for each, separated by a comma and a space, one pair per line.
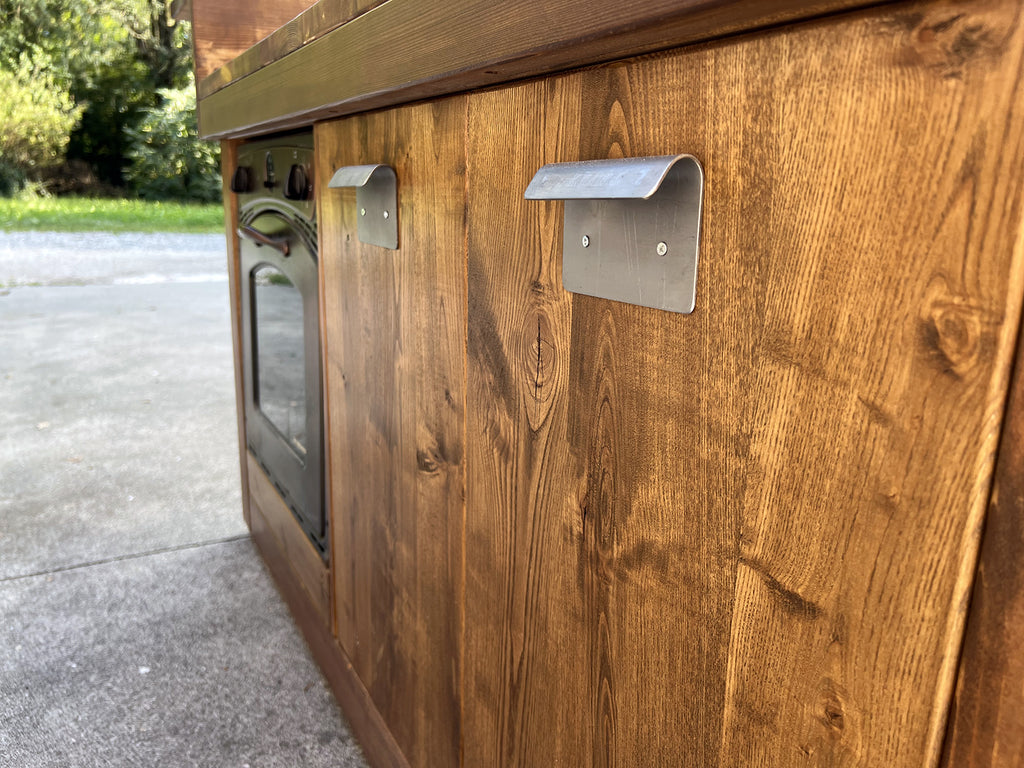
569, 531
745, 536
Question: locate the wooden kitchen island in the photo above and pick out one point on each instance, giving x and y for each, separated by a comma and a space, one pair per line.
782, 530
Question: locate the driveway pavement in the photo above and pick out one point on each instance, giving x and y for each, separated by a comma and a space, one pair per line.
137, 625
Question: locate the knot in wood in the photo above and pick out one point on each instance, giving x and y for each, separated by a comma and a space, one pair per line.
834, 717
953, 334
538, 361
833, 714
948, 43
426, 461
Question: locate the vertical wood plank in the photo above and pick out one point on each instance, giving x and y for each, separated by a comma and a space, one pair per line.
891, 301
986, 727
395, 325
656, 399
745, 537
228, 160
611, 548
362, 716
304, 560
526, 657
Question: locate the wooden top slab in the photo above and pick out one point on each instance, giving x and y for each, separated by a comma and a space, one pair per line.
345, 56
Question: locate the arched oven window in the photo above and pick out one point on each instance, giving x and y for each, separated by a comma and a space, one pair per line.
280, 380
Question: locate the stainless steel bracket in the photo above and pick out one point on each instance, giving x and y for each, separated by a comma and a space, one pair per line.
632, 227
376, 201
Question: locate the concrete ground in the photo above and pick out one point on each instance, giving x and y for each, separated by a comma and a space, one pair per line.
137, 624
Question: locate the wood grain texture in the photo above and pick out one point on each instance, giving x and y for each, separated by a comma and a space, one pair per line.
986, 725
222, 29
598, 562
363, 718
745, 537
319, 19
228, 160
395, 354
464, 44
303, 558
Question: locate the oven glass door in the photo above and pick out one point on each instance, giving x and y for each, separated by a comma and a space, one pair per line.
280, 382
281, 350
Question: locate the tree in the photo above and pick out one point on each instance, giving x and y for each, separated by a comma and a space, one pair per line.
112, 57
154, 54
37, 109
169, 160
37, 116
162, 45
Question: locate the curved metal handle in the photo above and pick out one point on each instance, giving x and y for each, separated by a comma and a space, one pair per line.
278, 243
631, 231
376, 200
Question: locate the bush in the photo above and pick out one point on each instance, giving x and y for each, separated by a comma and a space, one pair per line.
37, 116
168, 159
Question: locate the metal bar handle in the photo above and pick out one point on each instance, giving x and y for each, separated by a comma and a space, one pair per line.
277, 243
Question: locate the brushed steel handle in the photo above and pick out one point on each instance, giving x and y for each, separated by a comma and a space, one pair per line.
376, 200
631, 230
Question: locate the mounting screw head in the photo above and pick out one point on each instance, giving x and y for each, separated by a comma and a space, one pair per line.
386, 214
362, 211
586, 241
662, 248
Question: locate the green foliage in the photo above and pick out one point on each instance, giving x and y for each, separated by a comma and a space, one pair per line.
169, 160
152, 55
111, 57
72, 38
37, 116
78, 214
114, 98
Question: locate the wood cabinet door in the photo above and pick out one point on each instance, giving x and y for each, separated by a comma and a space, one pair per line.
395, 349
745, 537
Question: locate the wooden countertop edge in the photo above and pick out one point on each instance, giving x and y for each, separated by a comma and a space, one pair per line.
312, 24
465, 44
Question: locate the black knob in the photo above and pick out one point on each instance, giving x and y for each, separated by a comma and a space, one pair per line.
297, 186
241, 180
271, 181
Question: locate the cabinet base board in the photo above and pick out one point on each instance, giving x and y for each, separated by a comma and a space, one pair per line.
300, 554
365, 721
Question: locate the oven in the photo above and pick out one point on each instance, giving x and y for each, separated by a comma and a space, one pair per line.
280, 322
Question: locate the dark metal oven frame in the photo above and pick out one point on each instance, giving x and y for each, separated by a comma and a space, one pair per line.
277, 233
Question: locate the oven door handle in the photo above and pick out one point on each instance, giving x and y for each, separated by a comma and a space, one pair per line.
277, 243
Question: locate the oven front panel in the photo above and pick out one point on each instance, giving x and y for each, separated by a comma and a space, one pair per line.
282, 374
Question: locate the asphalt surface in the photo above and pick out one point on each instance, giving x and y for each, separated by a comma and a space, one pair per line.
137, 624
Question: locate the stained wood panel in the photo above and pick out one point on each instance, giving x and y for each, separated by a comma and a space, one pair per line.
279, 521
986, 728
222, 29
317, 20
745, 536
395, 353
594, 540
462, 44
228, 159
361, 715
514, 22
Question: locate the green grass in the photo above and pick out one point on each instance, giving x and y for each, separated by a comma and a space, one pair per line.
80, 214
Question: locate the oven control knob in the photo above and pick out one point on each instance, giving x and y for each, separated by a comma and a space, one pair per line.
297, 187
241, 180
